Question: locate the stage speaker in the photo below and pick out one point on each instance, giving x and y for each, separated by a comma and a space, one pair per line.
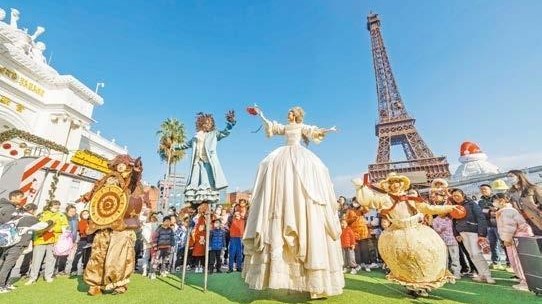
530, 256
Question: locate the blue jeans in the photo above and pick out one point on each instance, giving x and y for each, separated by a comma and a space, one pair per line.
236, 253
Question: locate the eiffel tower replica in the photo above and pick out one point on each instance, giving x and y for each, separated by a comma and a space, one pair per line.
395, 126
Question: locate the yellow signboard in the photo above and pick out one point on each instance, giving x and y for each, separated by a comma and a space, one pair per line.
27, 84
90, 160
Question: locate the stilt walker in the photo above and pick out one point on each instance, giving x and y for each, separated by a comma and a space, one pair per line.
206, 177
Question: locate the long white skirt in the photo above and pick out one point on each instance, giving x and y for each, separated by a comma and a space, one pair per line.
292, 237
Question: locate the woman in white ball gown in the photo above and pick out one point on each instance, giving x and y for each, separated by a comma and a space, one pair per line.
292, 236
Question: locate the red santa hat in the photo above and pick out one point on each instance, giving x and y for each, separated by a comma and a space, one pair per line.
468, 148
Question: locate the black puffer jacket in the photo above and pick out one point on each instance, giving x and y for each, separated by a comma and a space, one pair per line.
474, 221
7, 208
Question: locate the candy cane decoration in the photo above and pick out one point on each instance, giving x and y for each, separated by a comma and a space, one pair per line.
42, 163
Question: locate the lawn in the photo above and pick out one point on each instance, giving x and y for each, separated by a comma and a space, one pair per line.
229, 288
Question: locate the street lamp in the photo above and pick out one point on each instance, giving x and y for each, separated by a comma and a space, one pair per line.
99, 85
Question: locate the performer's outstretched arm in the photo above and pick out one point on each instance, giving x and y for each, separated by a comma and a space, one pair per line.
425, 208
186, 145
271, 127
316, 134
230, 122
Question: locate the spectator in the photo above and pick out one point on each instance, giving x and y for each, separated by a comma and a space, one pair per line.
237, 229
163, 241
443, 225
526, 197
472, 231
356, 221
149, 227
11, 254
216, 245
489, 211
9, 207
44, 242
61, 261
348, 244
82, 253
511, 224
180, 239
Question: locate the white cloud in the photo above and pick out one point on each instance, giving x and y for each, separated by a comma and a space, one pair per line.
343, 184
519, 161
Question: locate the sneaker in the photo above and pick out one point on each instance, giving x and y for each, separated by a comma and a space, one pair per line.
367, 269
152, 276
353, 271
490, 280
474, 275
358, 268
50, 280
509, 269
521, 287
10, 287
144, 273
457, 276
239, 269
177, 269
478, 279
230, 270
30, 282
345, 270
4, 290
373, 265
218, 271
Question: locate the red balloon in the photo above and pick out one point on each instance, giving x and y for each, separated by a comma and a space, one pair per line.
252, 111
458, 214
13, 152
6, 146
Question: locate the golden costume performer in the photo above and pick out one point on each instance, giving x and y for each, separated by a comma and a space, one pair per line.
115, 203
415, 253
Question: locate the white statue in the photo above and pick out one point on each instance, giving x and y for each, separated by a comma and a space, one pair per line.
14, 18
39, 31
36, 52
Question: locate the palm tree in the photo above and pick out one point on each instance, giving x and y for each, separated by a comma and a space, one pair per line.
170, 134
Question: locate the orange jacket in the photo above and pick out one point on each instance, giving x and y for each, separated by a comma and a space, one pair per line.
347, 238
357, 222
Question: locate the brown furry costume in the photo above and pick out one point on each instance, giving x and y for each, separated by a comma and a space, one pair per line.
113, 258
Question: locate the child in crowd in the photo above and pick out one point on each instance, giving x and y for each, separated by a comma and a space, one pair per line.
216, 245
443, 225
163, 242
510, 224
348, 244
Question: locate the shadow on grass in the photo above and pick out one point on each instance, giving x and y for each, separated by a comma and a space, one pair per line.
81, 285
230, 285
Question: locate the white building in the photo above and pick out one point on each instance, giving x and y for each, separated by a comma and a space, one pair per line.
50, 114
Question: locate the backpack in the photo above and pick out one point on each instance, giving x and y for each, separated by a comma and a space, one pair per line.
64, 246
9, 233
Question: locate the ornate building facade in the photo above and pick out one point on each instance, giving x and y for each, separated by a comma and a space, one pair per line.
45, 122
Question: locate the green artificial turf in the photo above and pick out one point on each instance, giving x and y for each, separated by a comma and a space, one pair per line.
371, 288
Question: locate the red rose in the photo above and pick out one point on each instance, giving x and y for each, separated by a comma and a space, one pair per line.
252, 111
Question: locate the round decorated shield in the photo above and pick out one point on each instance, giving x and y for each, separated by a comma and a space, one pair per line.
107, 205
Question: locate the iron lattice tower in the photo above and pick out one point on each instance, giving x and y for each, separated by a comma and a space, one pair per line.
395, 126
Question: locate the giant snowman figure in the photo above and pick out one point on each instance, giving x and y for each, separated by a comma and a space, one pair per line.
473, 163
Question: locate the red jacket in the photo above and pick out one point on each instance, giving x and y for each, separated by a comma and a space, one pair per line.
237, 228
348, 238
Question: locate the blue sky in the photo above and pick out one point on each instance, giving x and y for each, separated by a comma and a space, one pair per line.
467, 70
